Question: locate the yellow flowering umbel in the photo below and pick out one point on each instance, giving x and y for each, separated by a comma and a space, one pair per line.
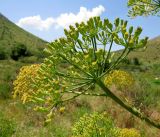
23, 85
94, 125
100, 125
129, 133
34, 85
119, 78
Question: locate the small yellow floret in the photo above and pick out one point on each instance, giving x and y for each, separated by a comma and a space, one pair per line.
62, 109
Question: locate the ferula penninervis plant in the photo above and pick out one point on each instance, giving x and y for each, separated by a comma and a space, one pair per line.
87, 57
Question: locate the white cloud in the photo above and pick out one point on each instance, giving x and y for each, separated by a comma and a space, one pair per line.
64, 20
36, 22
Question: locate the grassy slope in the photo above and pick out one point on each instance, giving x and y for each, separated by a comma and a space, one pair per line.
11, 34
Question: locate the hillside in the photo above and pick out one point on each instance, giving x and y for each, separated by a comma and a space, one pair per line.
11, 35
151, 54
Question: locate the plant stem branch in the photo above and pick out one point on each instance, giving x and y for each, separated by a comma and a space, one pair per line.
132, 110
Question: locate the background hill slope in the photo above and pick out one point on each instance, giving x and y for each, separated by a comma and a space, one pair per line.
11, 35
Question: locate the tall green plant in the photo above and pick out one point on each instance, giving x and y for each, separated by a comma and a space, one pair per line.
86, 50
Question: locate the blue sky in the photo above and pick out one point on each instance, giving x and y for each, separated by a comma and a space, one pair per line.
47, 18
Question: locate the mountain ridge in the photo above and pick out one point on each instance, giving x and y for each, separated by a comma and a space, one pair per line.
11, 34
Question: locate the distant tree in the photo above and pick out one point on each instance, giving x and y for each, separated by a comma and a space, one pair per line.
136, 61
19, 50
144, 7
126, 61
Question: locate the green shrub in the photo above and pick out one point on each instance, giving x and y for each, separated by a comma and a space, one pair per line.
19, 50
136, 61
7, 127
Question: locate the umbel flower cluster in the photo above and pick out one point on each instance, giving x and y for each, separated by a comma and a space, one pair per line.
23, 85
144, 7
121, 79
100, 125
79, 61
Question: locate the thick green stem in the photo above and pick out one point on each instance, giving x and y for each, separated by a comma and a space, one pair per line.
81, 47
132, 110
94, 50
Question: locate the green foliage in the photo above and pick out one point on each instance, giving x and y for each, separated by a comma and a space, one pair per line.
19, 50
7, 127
126, 61
144, 7
136, 61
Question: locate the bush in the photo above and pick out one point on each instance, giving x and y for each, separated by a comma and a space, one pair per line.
19, 50
7, 127
136, 61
